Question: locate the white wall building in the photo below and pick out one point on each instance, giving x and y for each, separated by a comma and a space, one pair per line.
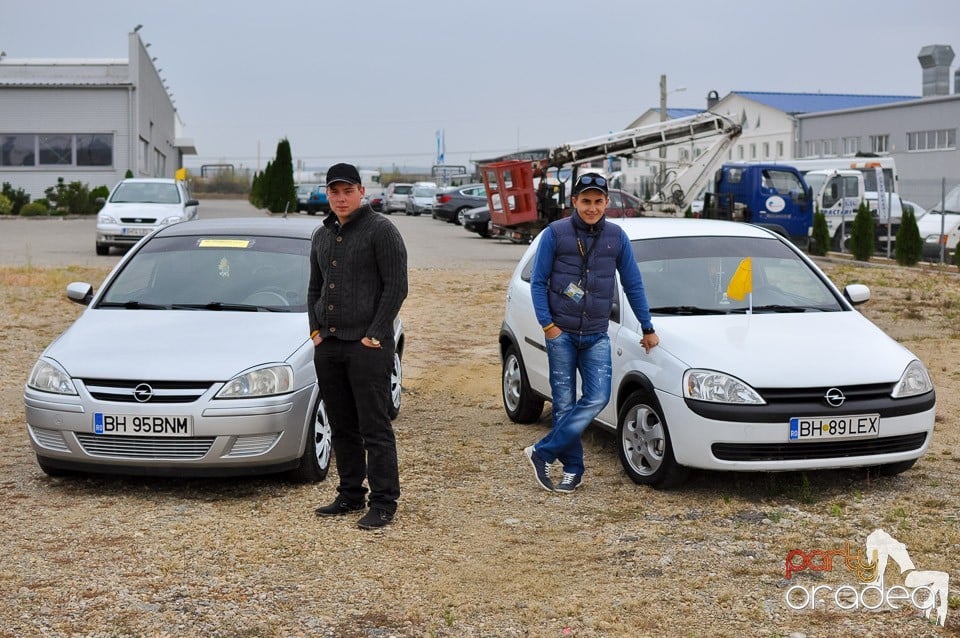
86, 120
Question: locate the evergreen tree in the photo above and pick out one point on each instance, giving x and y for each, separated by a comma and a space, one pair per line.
909, 244
266, 189
821, 234
861, 237
283, 193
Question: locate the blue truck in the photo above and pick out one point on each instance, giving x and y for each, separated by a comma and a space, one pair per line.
774, 196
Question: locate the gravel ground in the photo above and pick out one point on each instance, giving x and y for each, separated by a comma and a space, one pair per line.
477, 549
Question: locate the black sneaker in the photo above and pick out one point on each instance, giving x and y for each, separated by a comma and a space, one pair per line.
540, 468
569, 482
338, 507
375, 519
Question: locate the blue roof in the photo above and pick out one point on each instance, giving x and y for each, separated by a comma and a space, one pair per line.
795, 103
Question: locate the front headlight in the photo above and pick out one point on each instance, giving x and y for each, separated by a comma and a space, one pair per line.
261, 382
709, 385
914, 380
105, 219
173, 219
48, 376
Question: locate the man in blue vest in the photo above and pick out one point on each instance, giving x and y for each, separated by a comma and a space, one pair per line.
573, 286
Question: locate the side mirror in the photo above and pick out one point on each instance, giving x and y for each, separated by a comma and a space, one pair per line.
100, 201
192, 202
857, 294
80, 292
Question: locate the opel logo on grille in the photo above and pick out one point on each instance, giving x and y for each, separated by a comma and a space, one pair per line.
834, 397
143, 393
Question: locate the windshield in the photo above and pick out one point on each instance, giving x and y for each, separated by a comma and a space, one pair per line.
215, 272
690, 275
815, 181
952, 202
424, 192
146, 193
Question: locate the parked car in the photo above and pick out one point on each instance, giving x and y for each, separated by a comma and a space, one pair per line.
318, 202
193, 359
303, 194
138, 206
376, 203
421, 199
453, 203
623, 204
395, 197
736, 385
477, 220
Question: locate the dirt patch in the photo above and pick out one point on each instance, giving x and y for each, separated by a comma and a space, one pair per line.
477, 549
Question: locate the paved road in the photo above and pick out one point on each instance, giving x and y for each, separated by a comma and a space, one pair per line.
65, 242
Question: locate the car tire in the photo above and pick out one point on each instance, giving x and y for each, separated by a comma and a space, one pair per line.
315, 462
396, 386
311, 210
458, 216
519, 401
103, 249
645, 448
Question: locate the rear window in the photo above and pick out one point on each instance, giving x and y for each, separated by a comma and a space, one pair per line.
402, 190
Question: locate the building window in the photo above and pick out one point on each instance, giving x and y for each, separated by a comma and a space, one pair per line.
82, 149
851, 145
95, 150
779, 149
55, 150
753, 151
18, 150
159, 164
879, 143
739, 151
766, 150
938, 140
143, 163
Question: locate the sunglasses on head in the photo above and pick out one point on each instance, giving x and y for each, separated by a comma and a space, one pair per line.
587, 180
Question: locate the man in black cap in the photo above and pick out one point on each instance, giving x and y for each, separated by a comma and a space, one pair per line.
573, 287
358, 281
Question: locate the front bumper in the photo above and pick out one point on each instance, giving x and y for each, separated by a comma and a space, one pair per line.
237, 436
763, 445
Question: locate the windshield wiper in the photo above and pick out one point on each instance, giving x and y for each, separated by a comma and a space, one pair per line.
219, 305
779, 308
687, 310
132, 304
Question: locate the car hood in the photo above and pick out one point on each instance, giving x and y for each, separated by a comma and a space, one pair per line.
176, 344
143, 210
786, 350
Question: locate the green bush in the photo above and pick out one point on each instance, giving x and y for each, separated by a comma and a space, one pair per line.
34, 209
18, 197
861, 236
909, 246
71, 199
6, 206
128, 174
821, 234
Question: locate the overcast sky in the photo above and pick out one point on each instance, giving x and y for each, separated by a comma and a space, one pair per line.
371, 81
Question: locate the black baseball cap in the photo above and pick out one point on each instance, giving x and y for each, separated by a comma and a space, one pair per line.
343, 173
588, 181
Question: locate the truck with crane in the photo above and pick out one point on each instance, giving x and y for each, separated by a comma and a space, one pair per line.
523, 198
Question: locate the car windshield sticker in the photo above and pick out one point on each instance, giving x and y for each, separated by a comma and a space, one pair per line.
224, 267
224, 243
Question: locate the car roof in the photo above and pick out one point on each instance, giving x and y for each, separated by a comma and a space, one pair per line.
295, 227
148, 180
652, 227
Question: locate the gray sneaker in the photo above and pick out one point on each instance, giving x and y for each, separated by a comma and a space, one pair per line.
569, 482
541, 468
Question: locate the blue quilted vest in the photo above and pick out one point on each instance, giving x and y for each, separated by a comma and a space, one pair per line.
591, 314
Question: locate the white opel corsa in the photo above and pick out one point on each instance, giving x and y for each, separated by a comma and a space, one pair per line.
789, 378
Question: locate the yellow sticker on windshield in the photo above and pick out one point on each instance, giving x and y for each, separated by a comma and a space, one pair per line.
224, 243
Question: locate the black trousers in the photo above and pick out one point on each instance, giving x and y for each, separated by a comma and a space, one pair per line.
355, 386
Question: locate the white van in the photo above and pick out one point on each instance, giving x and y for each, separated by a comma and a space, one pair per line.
941, 225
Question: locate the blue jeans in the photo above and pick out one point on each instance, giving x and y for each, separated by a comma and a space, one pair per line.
568, 354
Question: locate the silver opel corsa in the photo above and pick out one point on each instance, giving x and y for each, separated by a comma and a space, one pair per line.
193, 359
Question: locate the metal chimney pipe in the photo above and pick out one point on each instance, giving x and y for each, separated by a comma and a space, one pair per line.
935, 60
